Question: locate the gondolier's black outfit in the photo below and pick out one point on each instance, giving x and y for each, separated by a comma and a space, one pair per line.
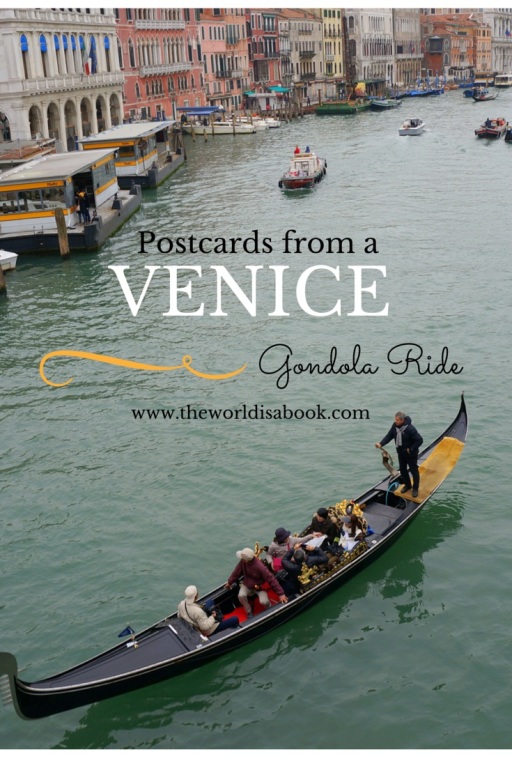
407, 442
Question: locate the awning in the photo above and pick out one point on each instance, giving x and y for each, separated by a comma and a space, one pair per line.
198, 110
278, 89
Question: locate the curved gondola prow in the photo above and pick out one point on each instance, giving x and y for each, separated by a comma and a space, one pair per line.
8, 677
458, 428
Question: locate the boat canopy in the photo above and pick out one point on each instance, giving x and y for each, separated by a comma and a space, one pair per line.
200, 110
278, 89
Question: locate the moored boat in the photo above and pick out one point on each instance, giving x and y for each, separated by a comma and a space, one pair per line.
8, 260
508, 134
503, 81
219, 128
306, 169
173, 646
493, 128
412, 127
378, 105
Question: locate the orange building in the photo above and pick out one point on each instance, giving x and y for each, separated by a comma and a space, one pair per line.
456, 45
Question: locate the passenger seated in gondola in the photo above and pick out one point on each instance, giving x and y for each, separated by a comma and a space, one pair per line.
353, 528
190, 610
284, 542
255, 578
322, 523
292, 562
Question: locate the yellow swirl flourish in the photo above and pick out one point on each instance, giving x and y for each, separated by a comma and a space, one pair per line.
186, 361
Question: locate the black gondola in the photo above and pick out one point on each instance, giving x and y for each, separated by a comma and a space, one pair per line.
171, 646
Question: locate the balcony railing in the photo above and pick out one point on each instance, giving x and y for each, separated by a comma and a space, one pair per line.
220, 73
64, 83
308, 75
165, 69
307, 54
232, 39
158, 24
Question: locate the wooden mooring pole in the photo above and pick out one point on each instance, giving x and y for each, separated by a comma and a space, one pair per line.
62, 232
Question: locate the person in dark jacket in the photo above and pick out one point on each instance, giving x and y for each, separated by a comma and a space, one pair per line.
292, 564
322, 523
407, 442
254, 576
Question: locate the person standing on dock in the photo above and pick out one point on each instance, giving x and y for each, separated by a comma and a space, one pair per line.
407, 441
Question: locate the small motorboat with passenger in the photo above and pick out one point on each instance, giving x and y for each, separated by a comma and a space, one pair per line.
306, 169
493, 128
412, 127
173, 646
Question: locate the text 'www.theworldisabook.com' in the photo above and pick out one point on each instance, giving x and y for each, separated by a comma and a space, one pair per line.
250, 413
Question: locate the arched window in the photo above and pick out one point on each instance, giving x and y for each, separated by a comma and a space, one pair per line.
131, 52
24, 56
106, 43
44, 54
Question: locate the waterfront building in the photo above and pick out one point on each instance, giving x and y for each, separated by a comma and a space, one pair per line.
370, 35
407, 46
225, 56
300, 34
59, 74
332, 33
456, 45
263, 48
499, 20
160, 53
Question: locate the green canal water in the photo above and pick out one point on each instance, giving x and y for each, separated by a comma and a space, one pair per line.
107, 518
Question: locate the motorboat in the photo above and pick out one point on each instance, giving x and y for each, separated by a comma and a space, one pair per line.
173, 646
306, 169
412, 127
379, 105
493, 128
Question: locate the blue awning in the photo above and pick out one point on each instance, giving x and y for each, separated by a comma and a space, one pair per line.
199, 110
278, 89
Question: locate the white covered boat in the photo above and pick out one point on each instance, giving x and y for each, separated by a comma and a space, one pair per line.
218, 128
8, 259
306, 169
412, 127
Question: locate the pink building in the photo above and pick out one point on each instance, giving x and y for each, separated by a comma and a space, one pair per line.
160, 54
225, 56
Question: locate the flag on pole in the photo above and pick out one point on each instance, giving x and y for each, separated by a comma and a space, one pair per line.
508, 32
90, 60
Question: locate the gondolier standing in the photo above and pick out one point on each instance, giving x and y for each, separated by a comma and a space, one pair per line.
407, 442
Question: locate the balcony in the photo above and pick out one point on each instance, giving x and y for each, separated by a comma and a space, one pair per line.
307, 76
329, 57
165, 69
221, 73
307, 54
158, 24
63, 83
232, 39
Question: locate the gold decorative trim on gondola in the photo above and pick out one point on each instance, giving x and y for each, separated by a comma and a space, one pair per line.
310, 577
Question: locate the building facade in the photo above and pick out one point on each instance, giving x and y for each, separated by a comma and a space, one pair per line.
225, 56
59, 74
370, 33
160, 54
301, 33
407, 46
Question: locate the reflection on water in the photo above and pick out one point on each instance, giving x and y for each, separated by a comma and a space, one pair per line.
395, 580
